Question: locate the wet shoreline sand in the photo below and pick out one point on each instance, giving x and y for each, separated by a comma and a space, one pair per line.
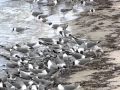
102, 25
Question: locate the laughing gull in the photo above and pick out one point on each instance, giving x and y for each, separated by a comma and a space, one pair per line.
65, 11
30, 66
33, 87
47, 41
59, 62
1, 84
82, 61
60, 28
13, 64
42, 16
53, 3
55, 26
43, 19
21, 48
88, 3
79, 41
42, 74
31, 45
46, 82
41, 87
42, 2
64, 26
51, 65
26, 75
81, 50
97, 51
92, 10
19, 29
18, 84
91, 44
35, 14
91, 2
82, 2
78, 56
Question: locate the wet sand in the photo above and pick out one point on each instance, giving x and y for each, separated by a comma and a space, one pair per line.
102, 73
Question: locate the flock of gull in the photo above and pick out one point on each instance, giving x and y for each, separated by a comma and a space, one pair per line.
38, 65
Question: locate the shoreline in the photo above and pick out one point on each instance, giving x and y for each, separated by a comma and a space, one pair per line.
103, 72
102, 25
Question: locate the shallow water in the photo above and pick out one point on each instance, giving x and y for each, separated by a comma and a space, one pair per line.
17, 13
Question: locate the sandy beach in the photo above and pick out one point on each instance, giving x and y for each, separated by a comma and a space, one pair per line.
103, 73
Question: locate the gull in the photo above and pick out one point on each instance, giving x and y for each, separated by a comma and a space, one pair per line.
19, 29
